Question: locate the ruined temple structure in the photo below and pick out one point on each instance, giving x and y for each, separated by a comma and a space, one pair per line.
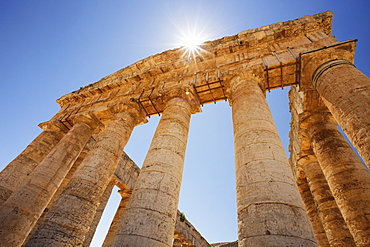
54, 192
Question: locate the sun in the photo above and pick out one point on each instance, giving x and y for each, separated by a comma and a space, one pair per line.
191, 44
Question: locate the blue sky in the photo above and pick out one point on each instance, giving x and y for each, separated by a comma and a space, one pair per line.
51, 48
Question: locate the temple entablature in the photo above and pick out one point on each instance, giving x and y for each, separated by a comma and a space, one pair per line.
272, 52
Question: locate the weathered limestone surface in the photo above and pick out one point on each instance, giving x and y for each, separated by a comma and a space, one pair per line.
98, 214
346, 92
127, 172
348, 178
332, 220
62, 185
21, 211
70, 217
311, 210
109, 239
16, 173
185, 231
266, 217
232, 244
125, 175
149, 219
177, 242
145, 80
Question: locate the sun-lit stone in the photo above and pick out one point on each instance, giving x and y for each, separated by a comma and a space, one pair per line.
52, 191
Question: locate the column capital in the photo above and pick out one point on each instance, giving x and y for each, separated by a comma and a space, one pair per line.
125, 193
239, 80
53, 125
187, 93
326, 67
312, 60
90, 119
241, 76
131, 107
305, 160
307, 120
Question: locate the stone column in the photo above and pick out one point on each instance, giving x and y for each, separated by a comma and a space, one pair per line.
348, 178
270, 209
62, 186
311, 210
150, 217
98, 214
70, 217
13, 176
21, 211
346, 92
109, 239
332, 220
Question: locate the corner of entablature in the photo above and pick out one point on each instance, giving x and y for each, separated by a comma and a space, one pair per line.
305, 159
54, 125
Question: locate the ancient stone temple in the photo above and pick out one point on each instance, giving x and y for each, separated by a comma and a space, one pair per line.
54, 192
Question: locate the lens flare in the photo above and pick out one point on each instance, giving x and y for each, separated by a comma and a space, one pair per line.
191, 32
192, 42
191, 45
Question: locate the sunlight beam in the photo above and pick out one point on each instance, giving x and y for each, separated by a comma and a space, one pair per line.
191, 44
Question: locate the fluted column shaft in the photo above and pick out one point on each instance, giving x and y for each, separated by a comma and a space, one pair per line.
347, 177
69, 219
312, 212
150, 217
332, 220
16, 173
270, 210
21, 211
346, 92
